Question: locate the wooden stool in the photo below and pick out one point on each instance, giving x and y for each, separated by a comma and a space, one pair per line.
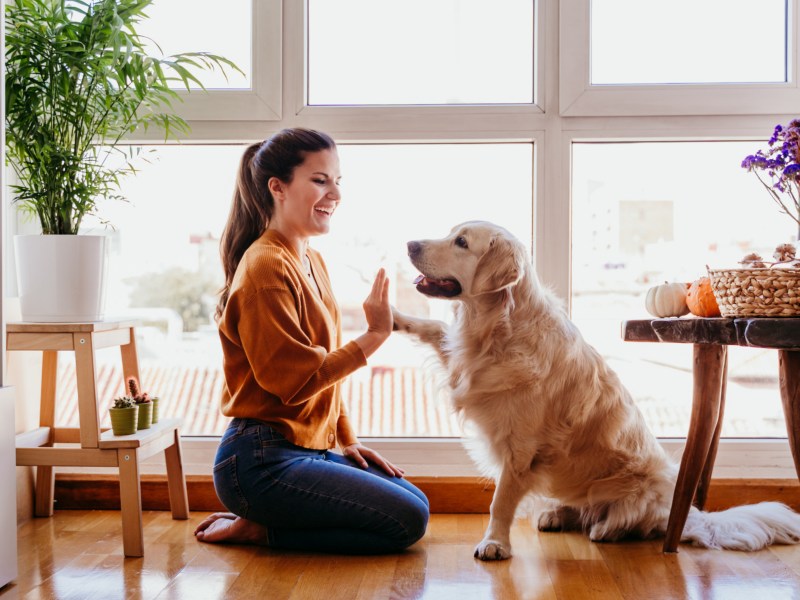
97, 448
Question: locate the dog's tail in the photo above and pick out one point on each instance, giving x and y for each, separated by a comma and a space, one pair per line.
748, 528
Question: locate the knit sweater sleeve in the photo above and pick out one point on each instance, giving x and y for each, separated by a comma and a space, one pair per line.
285, 362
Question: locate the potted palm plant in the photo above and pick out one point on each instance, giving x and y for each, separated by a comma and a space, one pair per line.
78, 79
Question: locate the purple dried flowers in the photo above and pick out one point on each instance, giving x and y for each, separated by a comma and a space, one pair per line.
778, 168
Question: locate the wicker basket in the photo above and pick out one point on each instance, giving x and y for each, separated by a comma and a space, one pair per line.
757, 292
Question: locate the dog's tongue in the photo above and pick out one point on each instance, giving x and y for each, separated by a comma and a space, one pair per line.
444, 284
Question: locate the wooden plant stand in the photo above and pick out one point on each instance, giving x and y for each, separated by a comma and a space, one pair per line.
88, 445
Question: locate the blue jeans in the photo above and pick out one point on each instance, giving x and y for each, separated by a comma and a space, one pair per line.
314, 499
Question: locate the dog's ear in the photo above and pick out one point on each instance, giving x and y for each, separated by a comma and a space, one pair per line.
501, 266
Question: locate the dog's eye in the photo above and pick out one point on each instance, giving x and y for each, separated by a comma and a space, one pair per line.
461, 241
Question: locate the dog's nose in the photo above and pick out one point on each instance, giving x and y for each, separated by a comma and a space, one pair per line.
414, 248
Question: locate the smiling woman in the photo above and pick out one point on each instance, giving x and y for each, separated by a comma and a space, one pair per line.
276, 469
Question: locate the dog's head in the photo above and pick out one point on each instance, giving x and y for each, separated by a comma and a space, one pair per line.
477, 258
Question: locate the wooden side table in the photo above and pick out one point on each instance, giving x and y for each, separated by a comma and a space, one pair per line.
710, 339
88, 445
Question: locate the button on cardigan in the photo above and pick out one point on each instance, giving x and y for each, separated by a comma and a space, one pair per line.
281, 340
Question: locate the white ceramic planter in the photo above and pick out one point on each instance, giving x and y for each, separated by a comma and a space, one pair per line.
61, 278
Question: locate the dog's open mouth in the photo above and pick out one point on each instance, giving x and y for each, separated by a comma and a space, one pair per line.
446, 288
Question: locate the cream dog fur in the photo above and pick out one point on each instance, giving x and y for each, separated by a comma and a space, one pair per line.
552, 418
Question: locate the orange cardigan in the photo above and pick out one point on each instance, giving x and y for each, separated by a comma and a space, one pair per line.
281, 343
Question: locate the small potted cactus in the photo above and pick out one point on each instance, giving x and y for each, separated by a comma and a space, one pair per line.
155, 401
143, 401
124, 416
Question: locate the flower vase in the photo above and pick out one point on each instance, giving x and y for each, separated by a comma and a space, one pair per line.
154, 402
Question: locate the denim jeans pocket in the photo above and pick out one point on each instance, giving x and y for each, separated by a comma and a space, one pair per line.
226, 484
272, 439
237, 429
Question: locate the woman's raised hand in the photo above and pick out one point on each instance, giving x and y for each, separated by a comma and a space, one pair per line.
378, 313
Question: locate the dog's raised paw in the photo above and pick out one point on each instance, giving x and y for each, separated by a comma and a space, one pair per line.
492, 550
400, 322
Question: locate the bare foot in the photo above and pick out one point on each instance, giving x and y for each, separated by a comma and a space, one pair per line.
227, 528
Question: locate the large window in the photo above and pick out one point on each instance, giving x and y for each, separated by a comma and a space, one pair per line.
437, 108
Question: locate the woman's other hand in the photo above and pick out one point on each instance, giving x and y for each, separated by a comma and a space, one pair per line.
362, 456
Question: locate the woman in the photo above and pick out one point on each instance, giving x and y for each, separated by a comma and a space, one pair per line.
279, 324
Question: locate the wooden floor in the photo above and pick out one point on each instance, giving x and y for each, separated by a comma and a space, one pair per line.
78, 554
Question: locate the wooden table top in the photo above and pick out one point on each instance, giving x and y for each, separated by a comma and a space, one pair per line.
761, 332
31, 327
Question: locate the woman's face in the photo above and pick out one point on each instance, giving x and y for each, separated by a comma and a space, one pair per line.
305, 206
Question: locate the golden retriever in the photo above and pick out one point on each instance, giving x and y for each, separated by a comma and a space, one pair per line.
551, 418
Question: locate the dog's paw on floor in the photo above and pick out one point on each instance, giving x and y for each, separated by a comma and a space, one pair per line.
550, 521
562, 518
492, 550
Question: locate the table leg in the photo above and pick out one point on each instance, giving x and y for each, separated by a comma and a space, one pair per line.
86, 379
708, 369
705, 479
130, 495
130, 360
45, 475
789, 376
176, 482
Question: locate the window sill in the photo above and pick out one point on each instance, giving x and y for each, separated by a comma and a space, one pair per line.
436, 457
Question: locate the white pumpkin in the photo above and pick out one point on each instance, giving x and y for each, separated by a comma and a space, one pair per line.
667, 300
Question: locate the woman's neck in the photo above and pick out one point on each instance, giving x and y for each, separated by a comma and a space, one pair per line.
297, 242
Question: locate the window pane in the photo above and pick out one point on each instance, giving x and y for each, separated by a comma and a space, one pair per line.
420, 52
201, 26
645, 213
165, 270
695, 41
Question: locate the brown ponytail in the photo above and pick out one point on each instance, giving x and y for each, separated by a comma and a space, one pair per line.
252, 205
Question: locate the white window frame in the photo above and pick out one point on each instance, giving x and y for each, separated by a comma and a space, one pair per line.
446, 457
262, 102
578, 97
565, 111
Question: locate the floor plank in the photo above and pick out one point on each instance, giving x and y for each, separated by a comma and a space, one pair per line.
77, 554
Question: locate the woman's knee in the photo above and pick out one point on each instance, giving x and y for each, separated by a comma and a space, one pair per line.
415, 523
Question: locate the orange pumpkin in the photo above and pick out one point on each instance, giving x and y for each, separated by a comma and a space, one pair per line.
700, 299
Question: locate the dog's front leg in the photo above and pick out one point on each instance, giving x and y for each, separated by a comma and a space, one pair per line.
496, 542
426, 330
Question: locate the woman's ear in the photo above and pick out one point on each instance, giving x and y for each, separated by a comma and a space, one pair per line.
276, 188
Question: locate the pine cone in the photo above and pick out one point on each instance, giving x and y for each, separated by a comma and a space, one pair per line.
784, 253
753, 260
